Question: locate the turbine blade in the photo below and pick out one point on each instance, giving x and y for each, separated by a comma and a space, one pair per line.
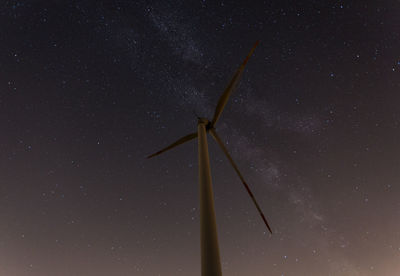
231, 86
221, 144
177, 143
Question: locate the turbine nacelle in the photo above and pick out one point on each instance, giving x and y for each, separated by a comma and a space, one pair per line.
205, 122
202, 120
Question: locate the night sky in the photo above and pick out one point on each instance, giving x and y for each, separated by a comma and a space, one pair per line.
88, 89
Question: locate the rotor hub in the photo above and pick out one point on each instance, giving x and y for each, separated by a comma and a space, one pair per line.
206, 122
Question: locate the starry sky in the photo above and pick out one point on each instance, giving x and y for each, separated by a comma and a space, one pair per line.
88, 89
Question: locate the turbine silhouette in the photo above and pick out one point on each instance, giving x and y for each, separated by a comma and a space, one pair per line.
210, 259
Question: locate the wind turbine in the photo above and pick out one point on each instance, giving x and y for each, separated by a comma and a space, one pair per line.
210, 259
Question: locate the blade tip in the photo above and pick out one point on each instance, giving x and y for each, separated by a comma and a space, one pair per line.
152, 155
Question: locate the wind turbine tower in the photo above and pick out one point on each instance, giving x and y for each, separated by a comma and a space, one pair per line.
210, 257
